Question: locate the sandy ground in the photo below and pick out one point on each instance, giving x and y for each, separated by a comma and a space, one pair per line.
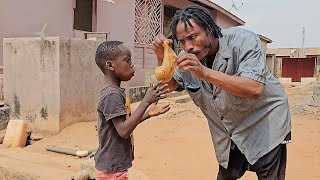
173, 146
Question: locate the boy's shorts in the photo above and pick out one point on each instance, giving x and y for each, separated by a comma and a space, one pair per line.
100, 175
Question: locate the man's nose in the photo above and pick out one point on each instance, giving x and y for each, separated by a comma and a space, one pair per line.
189, 47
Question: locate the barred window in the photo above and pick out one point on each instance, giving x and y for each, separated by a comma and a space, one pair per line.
147, 20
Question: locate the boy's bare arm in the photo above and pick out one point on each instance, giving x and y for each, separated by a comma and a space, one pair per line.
125, 126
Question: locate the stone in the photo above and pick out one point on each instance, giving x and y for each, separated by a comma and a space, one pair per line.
87, 170
2, 134
4, 117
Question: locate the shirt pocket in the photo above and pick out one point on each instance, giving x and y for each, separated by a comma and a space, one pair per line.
197, 95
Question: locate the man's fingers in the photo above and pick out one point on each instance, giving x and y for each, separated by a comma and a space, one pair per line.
159, 41
156, 45
189, 68
184, 57
187, 62
162, 37
170, 42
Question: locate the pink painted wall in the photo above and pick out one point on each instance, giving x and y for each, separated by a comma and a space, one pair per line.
25, 18
224, 21
118, 19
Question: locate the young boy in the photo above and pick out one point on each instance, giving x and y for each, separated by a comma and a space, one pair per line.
115, 125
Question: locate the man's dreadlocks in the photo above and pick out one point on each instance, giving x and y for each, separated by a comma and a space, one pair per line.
199, 15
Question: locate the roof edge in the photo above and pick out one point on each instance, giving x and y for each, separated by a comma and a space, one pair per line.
220, 9
265, 38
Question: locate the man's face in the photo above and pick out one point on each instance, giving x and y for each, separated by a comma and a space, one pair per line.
194, 40
122, 64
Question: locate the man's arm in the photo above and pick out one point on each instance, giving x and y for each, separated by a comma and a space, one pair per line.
235, 85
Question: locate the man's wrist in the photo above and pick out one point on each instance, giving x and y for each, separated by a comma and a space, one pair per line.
204, 72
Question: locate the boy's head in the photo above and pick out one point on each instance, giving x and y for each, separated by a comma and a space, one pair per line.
114, 59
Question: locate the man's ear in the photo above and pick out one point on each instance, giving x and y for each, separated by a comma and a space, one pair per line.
109, 66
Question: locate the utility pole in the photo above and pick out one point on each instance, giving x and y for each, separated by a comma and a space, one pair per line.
303, 35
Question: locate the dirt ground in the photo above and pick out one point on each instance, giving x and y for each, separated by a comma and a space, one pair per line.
173, 146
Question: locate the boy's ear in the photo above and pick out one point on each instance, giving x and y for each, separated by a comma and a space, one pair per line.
109, 65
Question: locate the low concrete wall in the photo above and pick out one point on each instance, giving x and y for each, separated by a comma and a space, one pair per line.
51, 82
308, 80
316, 95
285, 80
137, 93
1, 88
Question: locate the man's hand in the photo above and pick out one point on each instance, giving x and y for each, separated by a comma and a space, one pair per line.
158, 46
190, 62
156, 110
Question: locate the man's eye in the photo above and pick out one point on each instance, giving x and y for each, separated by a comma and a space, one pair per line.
192, 37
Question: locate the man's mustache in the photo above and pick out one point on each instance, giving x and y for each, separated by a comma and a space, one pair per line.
206, 46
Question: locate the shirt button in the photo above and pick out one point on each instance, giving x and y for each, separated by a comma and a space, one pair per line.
222, 118
214, 97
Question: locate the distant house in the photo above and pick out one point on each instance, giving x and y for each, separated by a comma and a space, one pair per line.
136, 22
264, 42
294, 64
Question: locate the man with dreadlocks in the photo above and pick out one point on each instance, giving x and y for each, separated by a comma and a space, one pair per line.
225, 73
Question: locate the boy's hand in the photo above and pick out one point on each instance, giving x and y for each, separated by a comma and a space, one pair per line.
155, 93
156, 110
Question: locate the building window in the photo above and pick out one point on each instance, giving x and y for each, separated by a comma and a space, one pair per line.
147, 21
83, 11
169, 12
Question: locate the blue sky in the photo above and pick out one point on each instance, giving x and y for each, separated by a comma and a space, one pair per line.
280, 20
